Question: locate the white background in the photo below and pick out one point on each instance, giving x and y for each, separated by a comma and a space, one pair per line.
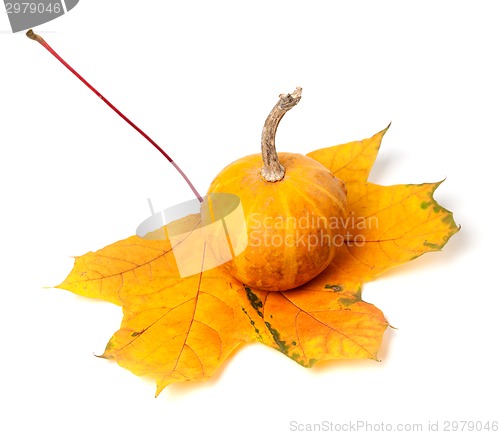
200, 77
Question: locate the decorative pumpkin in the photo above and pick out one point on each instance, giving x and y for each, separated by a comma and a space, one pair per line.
293, 208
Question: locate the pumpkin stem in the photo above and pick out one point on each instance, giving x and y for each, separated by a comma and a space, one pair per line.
273, 170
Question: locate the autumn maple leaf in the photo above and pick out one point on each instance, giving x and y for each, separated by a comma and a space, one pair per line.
176, 329
179, 327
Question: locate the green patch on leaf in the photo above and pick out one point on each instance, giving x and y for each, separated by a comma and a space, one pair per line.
255, 302
351, 299
282, 346
335, 287
297, 358
432, 245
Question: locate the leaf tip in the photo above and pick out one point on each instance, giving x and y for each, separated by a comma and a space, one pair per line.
381, 133
159, 388
104, 356
377, 137
384, 131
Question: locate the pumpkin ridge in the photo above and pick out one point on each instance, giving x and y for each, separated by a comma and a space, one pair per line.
314, 205
335, 199
289, 260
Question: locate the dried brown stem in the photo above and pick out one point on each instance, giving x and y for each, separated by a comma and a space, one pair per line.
272, 170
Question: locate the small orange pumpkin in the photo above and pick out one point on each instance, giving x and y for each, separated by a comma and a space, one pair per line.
293, 208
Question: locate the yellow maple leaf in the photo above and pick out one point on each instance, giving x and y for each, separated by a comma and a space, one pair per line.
176, 329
